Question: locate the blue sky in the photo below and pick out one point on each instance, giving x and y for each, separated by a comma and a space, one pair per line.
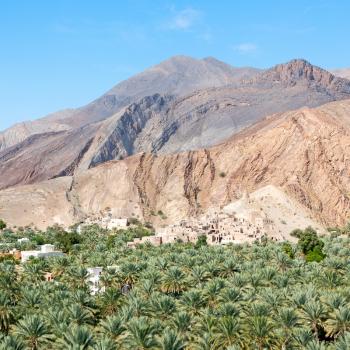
64, 53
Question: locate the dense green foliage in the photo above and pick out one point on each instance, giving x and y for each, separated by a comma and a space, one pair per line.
2, 224
310, 244
183, 296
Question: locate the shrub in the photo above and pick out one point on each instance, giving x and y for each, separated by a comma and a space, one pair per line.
134, 221
296, 233
66, 240
201, 241
2, 224
311, 245
308, 241
315, 255
288, 249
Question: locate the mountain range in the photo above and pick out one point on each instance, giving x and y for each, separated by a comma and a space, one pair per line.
181, 104
182, 137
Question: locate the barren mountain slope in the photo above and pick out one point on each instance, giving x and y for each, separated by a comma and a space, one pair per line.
342, 72
305, 153
178, 75
167, 124
284, 213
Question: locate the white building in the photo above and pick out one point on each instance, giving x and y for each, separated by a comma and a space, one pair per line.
23, 240
46, 251
94, 279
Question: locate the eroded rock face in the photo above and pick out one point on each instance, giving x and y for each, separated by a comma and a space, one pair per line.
166, 123
306, 153
44, 156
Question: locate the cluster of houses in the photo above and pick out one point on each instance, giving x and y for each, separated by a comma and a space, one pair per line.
220, 227
44, 251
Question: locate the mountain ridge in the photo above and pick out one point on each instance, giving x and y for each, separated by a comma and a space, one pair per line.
305, 153
166, 123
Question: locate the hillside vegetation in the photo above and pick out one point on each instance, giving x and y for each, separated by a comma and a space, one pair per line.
265, 296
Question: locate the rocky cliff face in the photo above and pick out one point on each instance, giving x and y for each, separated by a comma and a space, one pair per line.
44, 156
126, 128
165, 123
306, 153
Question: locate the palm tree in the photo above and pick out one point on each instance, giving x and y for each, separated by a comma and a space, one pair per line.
330, 279
137, 306
287, 320
31, 300
229, 268
231, 294
182, 323
316, 345
113, 328
343, 342
77, 315
204, 341
163, 306
6, 313
302, 337
174, 281
59, 266
110, 301
8, 278
198, 276
171, 341
339, 322
283, 261
193, 301
34, 271
78, 276
314, 315
212, 290
33, 331
56, 317
226, 332
335, 300
260, 329
11, 343
78, 337
228, 309
141, 334
129, 273
104, 344
147, 287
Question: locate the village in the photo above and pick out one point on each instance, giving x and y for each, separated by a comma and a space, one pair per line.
220, 227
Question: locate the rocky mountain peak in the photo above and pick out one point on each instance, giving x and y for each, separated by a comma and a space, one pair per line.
300, 71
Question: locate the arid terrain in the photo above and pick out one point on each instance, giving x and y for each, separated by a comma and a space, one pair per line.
180, 105
343, 73
304, 153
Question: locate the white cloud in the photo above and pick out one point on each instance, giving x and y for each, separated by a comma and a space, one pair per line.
246, 48
184, 19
